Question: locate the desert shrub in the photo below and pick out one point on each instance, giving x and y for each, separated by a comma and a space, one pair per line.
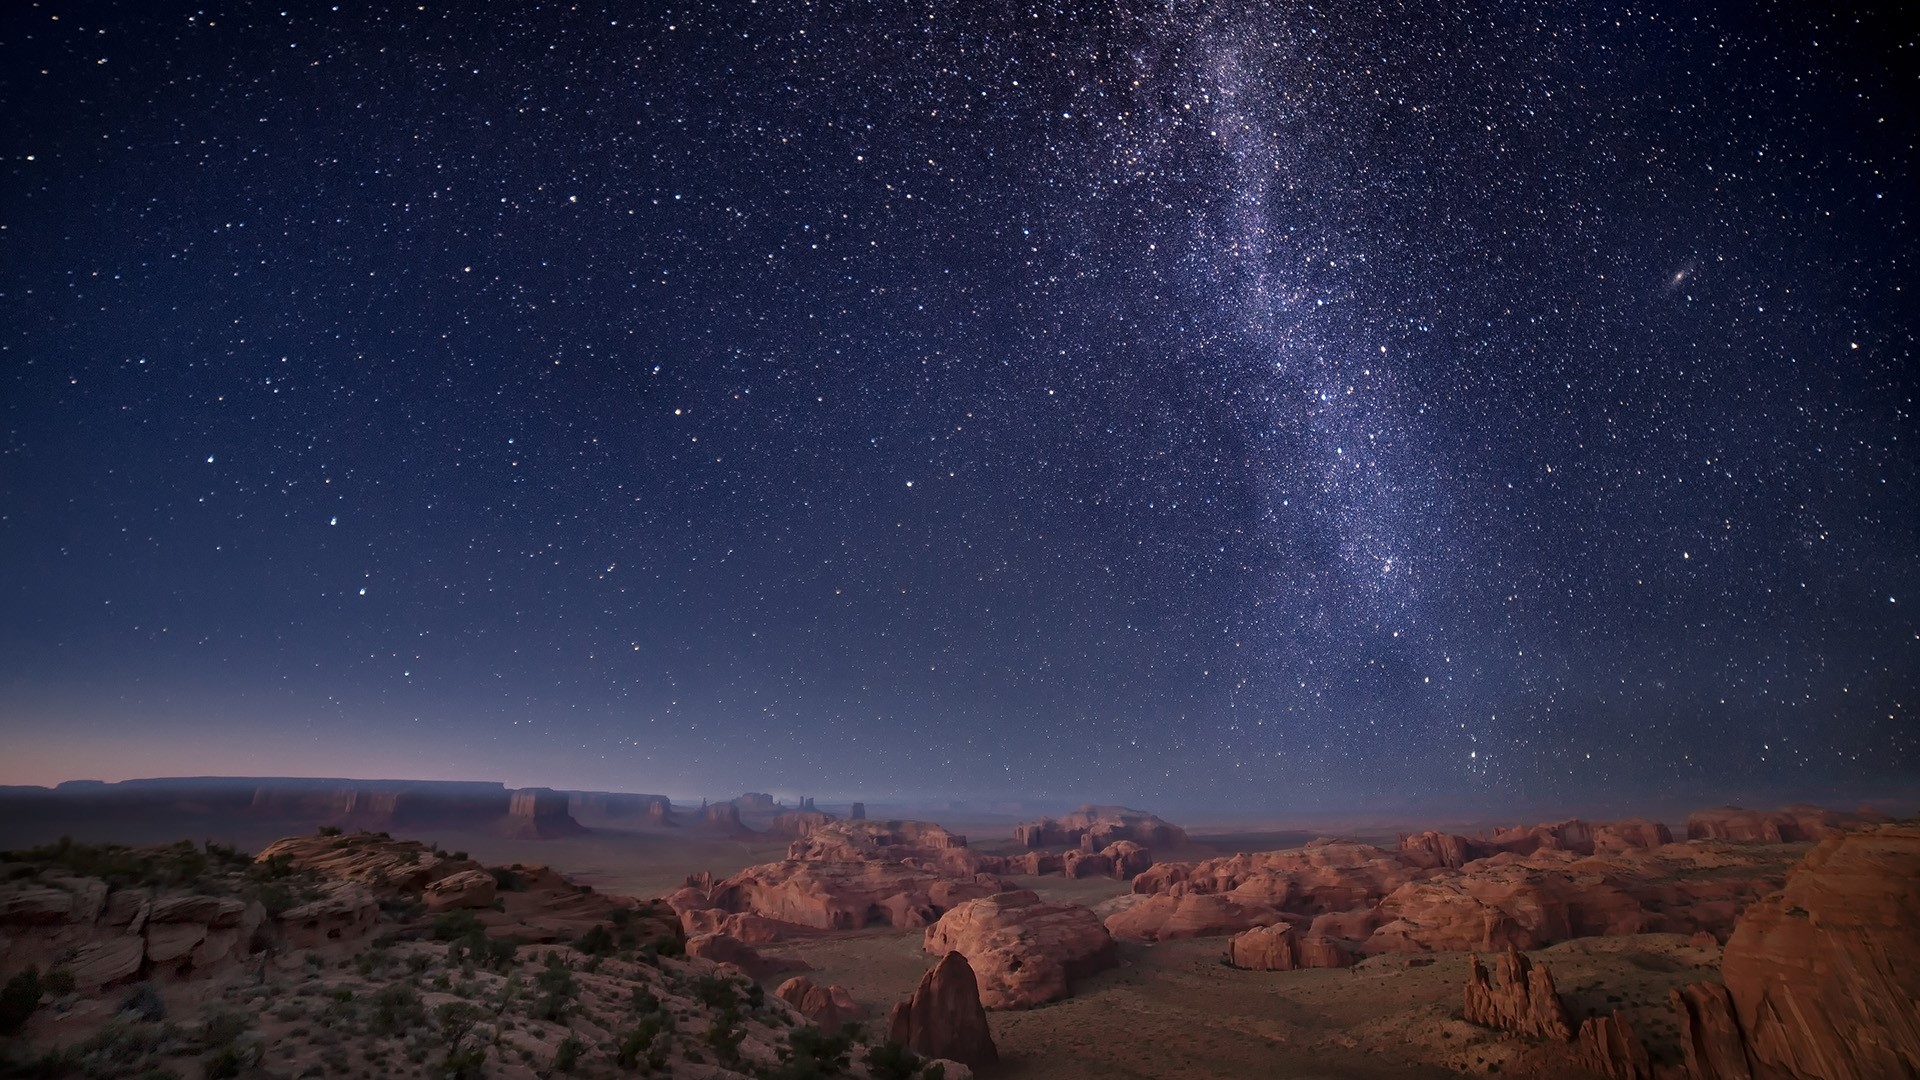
506, 880
18, 999
557, 988
329, 830
646, 1042
396, 1009
220, 1027
644, 1002
620, 917
716, 991
891, 1061
455, 925
811, 1054
669, 946
596, 942
467, 1063
58, 982
724, 1036
567, 1057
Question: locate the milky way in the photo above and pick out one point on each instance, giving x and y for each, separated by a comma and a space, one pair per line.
1243, 405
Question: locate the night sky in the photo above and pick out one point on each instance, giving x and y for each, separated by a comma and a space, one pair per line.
1239, 404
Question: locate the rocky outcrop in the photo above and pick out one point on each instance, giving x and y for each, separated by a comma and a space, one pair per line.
1825, 976
468, 889
1188, 915
1282, 947
1094, 827
756, 802
858, 812
1503, 907
828, 1006
1709, 1036
345, 912
1519, 998
375, 860
944, 1018
723, 949
1023, 951
1628, 835
1432, 850
1797, 823
1608, 1046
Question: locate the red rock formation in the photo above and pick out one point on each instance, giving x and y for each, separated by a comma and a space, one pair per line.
390, 867
1281, 947
1094, 827
1825, 976
722, 949
1520, 998
1629, 835
847, 895
1609, 1047
858, 812
1168, 917
799, 824
467, 889
724, 818
943, 1018
1023, 951
829, 1007
1129, 858
595, 808
1708, 1033
1503, 907
1734, 823
539, 814
1432, 850
756, 802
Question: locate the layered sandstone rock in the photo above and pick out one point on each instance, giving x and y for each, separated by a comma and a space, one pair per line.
828, 1006
1520, 998
597, 808
944, 1018
722, 818
1631, 834
1169, 917
376, 860
1282, 947
1094, 827
722, 949
468, 889
1709, 1035
1608, 1046
1023, 951
1825, 976
1503, 907
539, 814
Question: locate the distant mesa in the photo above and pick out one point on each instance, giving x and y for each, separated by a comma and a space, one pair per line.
859, 811
539, 814
615, 809
1092, 828
1796, 823
799, 824
722, 818
756, 802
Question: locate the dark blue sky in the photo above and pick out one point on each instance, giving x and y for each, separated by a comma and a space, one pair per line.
1252, 404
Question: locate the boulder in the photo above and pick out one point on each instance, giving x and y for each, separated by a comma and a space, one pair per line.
344, 913
35, 905
468, 889
1520, 998
104, 963
829, 1007
944, 1018
1023, 951
1433, 850
387, 866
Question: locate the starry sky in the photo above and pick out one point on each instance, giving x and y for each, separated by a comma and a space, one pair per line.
1241, 404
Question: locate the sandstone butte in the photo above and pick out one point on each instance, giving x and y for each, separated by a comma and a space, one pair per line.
1799, 822
943, 1018
1519, 998
1092, 828
1023, 951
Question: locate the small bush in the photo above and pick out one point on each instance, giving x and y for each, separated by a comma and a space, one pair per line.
567, 1057
18, 999
891, 1061
329, 830
596, 942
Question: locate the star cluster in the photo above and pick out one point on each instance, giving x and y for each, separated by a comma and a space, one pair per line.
1196, 403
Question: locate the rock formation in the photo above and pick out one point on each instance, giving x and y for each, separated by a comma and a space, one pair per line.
859, 811
1608, 1046
539, 814
1799, 822
1170, 917
756, 802
468, 889
1281, 947
799, 824
829, 1006
1825, 976
724, 949
1094, 827
600, 808
943, 1018
1519, 998
1023, 951
723, 818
